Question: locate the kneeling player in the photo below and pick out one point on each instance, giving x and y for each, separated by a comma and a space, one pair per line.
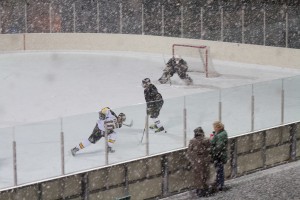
176, 65
108, 121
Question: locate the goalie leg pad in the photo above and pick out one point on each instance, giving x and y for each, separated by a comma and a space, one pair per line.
188, 80
164, 78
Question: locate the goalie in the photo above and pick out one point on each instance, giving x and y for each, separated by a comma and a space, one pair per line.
108, 121
176, 65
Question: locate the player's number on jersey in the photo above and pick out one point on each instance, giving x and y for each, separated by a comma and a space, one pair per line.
110, 124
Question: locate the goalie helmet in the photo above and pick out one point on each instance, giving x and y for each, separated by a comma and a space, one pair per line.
177, 59
146, 82
122, 117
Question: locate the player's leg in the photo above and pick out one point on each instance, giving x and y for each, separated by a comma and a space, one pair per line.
94, 137
157, 126
154, 112
111, 139
182, 73
167, 74
186, 78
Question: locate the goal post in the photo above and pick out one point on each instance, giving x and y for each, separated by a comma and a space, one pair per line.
198, 58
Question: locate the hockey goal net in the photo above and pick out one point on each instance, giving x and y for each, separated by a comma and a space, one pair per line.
198, 58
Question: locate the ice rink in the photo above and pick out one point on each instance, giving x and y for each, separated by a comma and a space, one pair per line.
44, 93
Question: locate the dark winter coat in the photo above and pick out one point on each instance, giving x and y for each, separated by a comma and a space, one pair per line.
198, 154
153, 97
219, 147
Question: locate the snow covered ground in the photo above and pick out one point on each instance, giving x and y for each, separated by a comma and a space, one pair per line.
44, 93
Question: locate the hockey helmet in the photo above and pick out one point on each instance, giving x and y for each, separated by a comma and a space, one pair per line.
177, 58
103, 113
122, 117
146, 82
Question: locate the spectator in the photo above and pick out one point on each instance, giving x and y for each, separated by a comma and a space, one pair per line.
219, 141
198, 154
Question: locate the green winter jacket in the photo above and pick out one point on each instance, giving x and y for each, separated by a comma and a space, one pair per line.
219, 146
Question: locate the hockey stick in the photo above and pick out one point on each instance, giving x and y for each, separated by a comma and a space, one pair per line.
129, 125
169, 75
143, 135
146, 124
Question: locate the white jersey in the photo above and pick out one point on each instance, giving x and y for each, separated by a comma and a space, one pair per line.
110, 122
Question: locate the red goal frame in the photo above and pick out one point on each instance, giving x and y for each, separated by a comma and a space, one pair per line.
195, 46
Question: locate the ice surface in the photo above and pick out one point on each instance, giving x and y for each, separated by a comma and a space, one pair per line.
40, 91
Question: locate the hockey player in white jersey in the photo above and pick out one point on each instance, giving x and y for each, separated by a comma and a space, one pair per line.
176, 65
108, 121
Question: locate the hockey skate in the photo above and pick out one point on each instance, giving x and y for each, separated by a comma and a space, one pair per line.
74, 150
110, 150
153, 126
160, 129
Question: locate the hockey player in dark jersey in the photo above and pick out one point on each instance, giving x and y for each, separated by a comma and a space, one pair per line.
176, 65
154, 102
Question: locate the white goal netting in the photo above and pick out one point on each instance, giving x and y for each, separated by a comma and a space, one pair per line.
198, 58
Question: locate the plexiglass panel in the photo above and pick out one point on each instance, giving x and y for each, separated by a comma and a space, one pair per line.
38, 143
128, 144
291, 99
267, 104
202, 110
236, 109
171, 117
38, 151
78, 129
6, 157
